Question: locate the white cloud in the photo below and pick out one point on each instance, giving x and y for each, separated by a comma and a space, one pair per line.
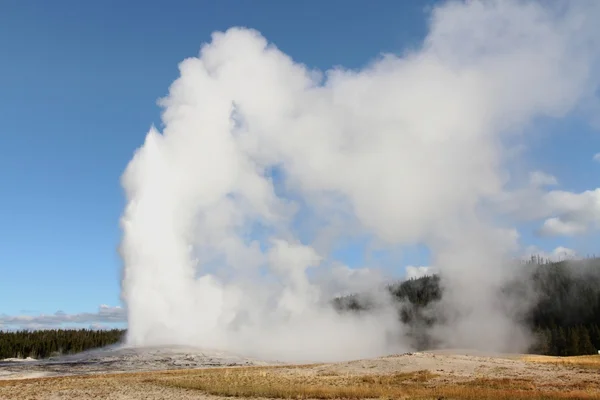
99, 327
597, 157
563, 213
572, 213
539, 178
413, 272
105, 314
564, 253
560, 253
557, 227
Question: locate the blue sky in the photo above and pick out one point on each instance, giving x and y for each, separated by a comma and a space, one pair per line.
79, 82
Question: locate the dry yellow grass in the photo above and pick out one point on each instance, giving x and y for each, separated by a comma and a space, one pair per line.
592, 362
271, 383
332, 381
282, 383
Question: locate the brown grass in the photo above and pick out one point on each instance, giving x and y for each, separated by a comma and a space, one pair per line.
588, 362
269, 383
318, 382
283, 383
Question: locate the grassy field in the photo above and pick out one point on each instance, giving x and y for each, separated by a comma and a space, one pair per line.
282, 383
554, 378
592, 362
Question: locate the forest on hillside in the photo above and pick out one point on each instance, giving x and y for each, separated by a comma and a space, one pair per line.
564, 312
564, 315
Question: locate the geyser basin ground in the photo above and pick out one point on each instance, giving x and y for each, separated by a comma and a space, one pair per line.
123, 359
411, 375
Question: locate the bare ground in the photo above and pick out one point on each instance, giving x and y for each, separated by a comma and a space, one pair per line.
122, 359
417, 375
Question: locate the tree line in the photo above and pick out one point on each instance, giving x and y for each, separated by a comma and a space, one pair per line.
54, 342
566, 316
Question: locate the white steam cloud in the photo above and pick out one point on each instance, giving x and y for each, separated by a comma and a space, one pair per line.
260, 158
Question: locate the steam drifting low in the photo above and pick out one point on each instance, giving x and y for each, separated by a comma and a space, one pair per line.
263, 164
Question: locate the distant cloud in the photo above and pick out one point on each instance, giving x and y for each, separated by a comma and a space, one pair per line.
597, 157
560, 253
104, 315
557, 227
571, 213
539, 178
563, 213
99, 327
413, 272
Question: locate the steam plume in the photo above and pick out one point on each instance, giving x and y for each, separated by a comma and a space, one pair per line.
256, 147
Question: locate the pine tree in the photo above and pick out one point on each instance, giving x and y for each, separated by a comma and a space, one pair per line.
561, 342
595, 337
585, 343
543, 340
572, 342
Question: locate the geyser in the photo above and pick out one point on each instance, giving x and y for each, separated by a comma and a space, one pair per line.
261, 158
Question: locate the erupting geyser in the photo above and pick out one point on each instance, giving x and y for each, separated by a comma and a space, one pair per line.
261, 158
